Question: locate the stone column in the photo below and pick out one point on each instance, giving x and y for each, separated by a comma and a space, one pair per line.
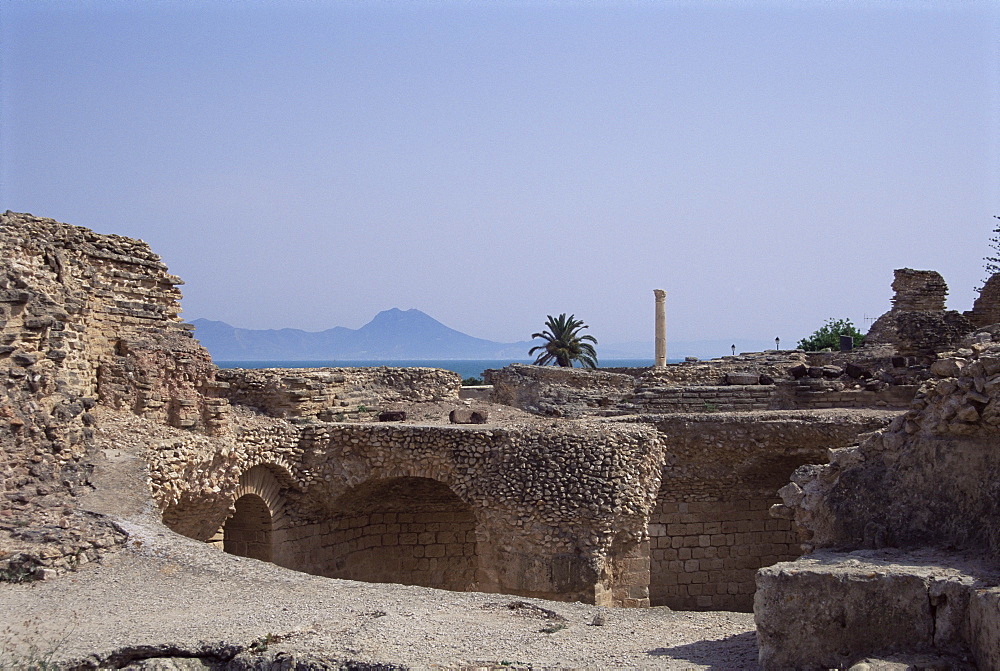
661, 327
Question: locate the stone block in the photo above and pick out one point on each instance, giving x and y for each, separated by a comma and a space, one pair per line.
467, 416
830, 614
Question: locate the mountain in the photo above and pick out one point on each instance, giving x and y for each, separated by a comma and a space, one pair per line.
392, 335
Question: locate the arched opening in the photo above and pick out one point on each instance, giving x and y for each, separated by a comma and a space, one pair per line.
412, 531
248, 531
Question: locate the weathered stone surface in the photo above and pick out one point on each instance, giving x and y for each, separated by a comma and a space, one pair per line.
832, 610
330, 394
467, 416
799, 371
918, 323
392, 416
986, 309
742, 378
857, 372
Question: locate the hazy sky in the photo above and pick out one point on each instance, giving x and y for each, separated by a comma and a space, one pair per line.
307, 164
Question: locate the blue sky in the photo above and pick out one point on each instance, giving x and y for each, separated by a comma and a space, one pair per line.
308, 164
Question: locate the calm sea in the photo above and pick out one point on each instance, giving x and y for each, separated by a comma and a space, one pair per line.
464, 367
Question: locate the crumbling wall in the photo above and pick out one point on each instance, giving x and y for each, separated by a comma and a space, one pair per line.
559, 392
928, 482
85, 318
986, 308
918, 324
328, 394
934, 467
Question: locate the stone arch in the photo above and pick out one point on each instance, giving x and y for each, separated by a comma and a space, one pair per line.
249, 530
258, 516
403, 529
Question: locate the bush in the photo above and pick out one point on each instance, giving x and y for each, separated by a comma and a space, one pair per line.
828, 336
473, 382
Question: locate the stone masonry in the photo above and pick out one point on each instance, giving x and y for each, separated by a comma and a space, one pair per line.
903, 528
674, 486
918, 324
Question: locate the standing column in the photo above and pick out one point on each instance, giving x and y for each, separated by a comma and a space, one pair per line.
661, 327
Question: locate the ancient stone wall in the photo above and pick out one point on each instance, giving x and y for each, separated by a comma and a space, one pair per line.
668, 399
558, 392
927, 483
331, 394
772, 364
986, 308
710, 529
918, 324
84, 319
558, 512
865, 379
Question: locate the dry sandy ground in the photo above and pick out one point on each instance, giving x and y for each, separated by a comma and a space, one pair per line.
169, 596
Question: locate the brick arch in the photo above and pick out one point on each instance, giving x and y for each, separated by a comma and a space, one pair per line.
257, 522
267, 482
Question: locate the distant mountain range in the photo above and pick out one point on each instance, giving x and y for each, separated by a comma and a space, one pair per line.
410, 335
392, 335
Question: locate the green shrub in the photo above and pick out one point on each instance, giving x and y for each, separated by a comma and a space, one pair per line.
828, 336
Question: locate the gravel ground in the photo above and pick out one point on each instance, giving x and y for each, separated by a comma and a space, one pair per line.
169, 596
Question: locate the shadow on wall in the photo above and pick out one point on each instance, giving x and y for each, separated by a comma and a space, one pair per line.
406, 530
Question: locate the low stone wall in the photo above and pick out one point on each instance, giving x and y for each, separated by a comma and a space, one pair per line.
832, 610
559, 392
330, 394
701, 399
713, 372
713, 386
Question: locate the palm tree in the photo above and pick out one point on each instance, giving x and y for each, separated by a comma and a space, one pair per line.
563, 343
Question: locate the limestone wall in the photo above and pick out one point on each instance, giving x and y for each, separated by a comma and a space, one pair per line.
558, 512
918, 323
558, 392
933, 467
330, 394
895, 522
986, 308
85, 318
710, 529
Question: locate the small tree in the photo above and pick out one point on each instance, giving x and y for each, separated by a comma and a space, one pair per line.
992, 264
828, 336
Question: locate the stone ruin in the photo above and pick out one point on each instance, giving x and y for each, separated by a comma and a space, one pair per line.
695, 486
918, 324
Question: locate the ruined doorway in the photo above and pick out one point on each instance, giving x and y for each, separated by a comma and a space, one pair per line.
248, 532
412, 531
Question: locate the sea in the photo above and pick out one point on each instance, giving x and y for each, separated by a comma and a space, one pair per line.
465, 367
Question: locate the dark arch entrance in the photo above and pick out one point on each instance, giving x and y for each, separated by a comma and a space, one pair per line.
412, 531
248, 532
